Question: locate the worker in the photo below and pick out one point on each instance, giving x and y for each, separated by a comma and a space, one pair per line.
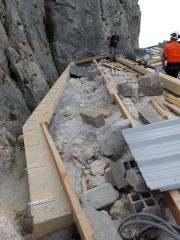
114, 39
171, 55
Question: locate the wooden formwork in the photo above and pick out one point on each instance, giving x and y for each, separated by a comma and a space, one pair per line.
46, 181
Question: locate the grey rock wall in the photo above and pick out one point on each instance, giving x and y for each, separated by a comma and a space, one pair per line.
39, 38
82, 27
27, 69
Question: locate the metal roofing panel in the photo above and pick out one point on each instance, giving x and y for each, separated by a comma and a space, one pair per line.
156, 149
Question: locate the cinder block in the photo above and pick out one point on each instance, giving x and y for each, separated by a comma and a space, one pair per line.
144, 202
100, 196
149, 81
125, 90
92, 117
102, 225
92, 75
150, 91
109, 178
136, 180
118, 174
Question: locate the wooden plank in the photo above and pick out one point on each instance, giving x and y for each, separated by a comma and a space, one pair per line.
174, 102
44, 183
90, 59
51, 108
111, 66
172, 199
159, 109
173, 108
173, 97
80, 218
113, 91
170, 83
154, 60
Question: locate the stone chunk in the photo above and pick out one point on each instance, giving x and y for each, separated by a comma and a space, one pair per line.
102, 224
114, 143
150, 91
97, 167
92, 117
149, 80
126, 90
136, 180
99, 197
118, 174
92, 75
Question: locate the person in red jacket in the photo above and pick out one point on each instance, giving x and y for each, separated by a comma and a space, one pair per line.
114, 39
171, 55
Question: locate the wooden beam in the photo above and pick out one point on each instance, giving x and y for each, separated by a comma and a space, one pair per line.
172, 199
170, 98
111, 66
90, 59
173, 108
154, 60
114, 93
159, 109
79, 215
170, 83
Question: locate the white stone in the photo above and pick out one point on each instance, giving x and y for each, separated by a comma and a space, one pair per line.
97, 181
97, 167
68, 111
102, 224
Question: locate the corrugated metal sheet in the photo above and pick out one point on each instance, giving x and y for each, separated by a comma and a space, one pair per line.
156, 149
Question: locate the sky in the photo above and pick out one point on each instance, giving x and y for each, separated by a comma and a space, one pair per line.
159, 18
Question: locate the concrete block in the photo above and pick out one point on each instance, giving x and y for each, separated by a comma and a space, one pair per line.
99, 197
136, 180
144, 203
102, 225
109, 178
149, 81
92, 75
118, 174
92, 117
150, 91
126, 90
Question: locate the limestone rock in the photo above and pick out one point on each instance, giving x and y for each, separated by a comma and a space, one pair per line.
97, 167
100, 197
7, 231
120, 209
102, 224
114, 143
97, 181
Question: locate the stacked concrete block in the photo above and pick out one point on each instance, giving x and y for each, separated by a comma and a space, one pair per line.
92, 117
150, 85
126, 172
144, 203
125, 90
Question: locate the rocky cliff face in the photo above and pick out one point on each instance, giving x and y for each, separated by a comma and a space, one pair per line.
39, 38
82, 27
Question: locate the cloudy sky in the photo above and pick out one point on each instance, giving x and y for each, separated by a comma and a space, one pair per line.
159, 18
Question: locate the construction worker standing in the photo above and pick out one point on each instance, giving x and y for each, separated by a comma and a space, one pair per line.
171, 54
113, 45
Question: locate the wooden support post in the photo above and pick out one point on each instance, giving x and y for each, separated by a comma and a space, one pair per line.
159, 109
79, 215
